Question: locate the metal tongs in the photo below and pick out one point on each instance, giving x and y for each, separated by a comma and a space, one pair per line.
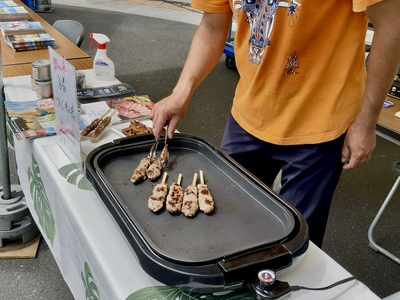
153, 150
164, 156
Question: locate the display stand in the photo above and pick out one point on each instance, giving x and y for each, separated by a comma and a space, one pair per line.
15, 219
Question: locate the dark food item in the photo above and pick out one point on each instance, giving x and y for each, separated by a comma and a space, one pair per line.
157, 199
175, 196
100, 128
88, 129
190, 203
206, 201
139, 174
136, 127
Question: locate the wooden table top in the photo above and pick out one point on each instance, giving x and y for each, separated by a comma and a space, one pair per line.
65, 48
387, 122
26, 69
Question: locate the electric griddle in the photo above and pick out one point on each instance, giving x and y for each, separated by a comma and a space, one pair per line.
251, 228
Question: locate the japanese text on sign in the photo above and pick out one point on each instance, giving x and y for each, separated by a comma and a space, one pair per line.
66, 106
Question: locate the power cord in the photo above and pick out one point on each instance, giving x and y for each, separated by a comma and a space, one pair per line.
298, 287
266, 286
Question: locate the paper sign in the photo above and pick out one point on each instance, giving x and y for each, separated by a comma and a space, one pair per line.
66, 107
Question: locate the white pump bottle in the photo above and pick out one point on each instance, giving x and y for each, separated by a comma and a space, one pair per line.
103, 67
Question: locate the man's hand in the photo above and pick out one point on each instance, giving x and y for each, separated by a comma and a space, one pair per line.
359, 143
168, 111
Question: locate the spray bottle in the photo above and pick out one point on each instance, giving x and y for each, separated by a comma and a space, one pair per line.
103, 67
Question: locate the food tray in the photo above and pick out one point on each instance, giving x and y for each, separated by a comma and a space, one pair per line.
248, 218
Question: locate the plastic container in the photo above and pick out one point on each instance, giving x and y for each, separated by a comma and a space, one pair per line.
103, 67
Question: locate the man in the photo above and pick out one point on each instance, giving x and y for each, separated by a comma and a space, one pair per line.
303, 104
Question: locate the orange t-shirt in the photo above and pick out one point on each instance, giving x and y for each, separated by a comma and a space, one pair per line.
301, 65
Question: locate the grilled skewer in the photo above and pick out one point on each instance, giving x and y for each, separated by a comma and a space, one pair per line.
175, 196
190, 203
88, 129
154, 170
99, 130
140, 173
156, 200
206, 201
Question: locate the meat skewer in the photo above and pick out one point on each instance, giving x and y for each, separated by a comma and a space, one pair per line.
157, 199
154, 170
206, 201
190, 203
88, 129
140, 173
175, 196
99, 130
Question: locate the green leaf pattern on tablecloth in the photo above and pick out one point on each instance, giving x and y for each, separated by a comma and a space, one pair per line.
172, 293
75, 177
40, 202
10, 135
91, 290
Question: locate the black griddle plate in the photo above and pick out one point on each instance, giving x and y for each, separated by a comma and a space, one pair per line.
248, 217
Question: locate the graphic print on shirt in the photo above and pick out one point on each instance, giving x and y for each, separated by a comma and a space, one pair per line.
292, 64
261, 16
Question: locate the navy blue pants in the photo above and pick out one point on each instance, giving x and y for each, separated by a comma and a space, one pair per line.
310, 173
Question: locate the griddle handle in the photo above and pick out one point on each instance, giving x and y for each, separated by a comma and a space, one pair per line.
246, 266
141, 138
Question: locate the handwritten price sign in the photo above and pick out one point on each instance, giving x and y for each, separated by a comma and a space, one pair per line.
66, 107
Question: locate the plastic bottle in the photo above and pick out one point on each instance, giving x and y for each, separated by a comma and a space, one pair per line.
103, 67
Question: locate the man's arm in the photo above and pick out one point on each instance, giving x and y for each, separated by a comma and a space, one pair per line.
384, 60
205, 52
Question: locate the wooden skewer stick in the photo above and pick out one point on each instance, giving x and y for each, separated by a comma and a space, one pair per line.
113, 113
164, 179
179, 180
201, 177
194, 179
105, 114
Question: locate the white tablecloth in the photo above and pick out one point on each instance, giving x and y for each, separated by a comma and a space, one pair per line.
91, 251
